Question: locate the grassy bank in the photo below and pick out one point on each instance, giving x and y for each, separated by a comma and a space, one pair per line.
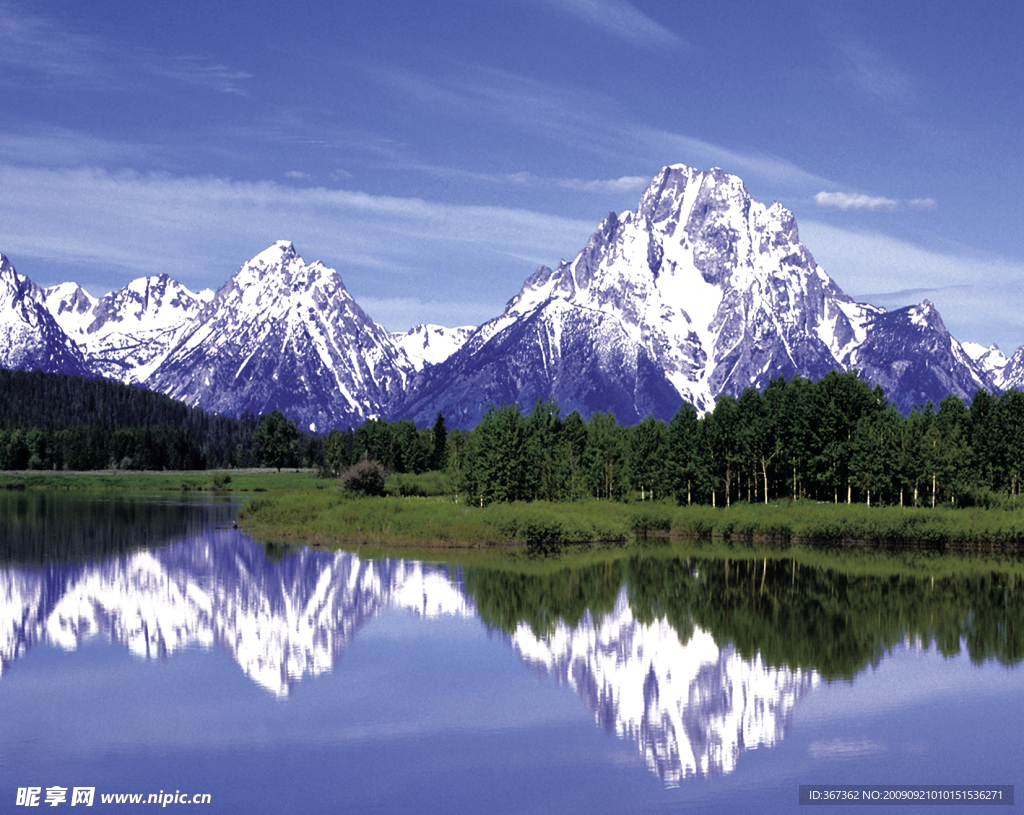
326, 517
329, 519
854, 523
238, 480
297, 507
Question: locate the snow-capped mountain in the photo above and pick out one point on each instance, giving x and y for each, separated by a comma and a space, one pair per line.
1011, 375
30, 338
126, 334
431, 344
281, 334
1003, 371
700, 291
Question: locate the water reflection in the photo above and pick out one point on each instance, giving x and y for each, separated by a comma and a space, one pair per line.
694, 658
278, 619
54, 527
691, 707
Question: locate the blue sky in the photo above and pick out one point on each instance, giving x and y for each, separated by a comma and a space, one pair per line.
435, 153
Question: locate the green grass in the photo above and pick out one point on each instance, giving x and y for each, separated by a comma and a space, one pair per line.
328, 517
853, 523
240, 481
324, 516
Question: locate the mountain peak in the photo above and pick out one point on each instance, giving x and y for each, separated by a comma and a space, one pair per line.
925, 315
278, 253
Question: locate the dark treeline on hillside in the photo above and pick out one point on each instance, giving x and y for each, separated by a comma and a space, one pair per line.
836, 439
56, 421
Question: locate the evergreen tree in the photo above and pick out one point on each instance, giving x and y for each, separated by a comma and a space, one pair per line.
276, 440
686, 469
648, 449
606, 456
438, 443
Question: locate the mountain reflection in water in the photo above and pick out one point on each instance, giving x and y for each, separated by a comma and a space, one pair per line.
694, 659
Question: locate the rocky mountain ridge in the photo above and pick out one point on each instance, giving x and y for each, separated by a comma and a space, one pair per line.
701, 291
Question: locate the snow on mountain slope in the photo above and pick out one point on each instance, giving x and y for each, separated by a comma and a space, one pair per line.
431, 344
126, 334
284, 335
990, 360
30, 338
701, 291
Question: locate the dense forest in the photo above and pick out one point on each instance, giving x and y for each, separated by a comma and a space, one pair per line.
836, 439
61, 422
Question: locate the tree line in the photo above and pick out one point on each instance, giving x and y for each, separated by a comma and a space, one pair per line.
63, 422
835, 439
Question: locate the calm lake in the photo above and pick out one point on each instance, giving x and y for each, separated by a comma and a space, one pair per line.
146, 647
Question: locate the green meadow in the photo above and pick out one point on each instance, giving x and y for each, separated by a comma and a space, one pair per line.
330, 517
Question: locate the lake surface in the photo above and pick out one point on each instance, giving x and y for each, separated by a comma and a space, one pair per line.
147, 647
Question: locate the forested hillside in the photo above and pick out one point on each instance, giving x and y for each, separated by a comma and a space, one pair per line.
57, 421
836, 439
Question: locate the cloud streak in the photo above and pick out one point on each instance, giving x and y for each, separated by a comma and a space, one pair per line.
38, 46
627, 183
199, 230
590, 121
847, 201
871, 73
620, 18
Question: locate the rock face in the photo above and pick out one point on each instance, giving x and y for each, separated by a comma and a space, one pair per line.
30, 338
701, 291
284, 335
126, 334
912, 356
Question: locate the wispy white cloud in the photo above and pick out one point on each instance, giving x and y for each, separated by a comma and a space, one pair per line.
42, 47
60, 147
620, 18
847, 201
851, 201
627, 183
590, 121
199, 71
873, 74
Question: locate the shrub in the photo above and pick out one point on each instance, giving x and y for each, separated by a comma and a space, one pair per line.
365, 478
650, 519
